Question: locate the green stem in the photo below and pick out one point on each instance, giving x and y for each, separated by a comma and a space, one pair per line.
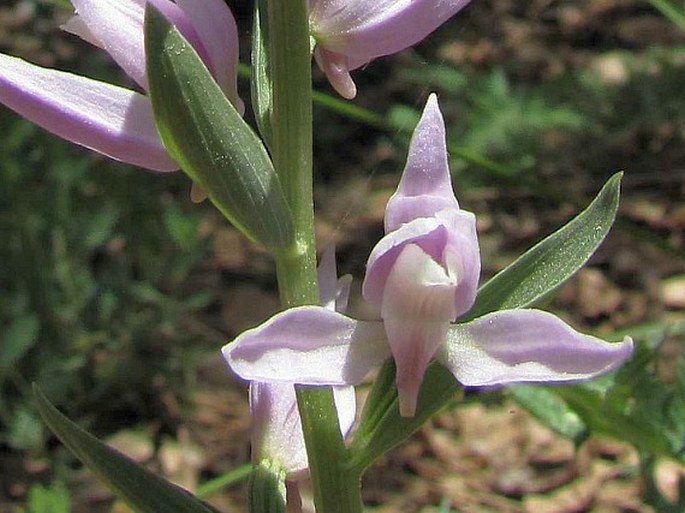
291, 144
336, 484
336, 487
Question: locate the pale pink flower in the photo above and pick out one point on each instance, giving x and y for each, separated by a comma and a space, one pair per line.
423, 274
351, 33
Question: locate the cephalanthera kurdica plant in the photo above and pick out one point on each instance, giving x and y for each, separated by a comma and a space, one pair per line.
437, 330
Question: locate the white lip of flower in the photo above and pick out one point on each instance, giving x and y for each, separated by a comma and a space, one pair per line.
417, 308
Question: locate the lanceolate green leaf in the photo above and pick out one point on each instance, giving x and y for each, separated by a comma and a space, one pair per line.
551, 410
606, 417
141, 489
552, 261
209, 139
539, 271
262, 101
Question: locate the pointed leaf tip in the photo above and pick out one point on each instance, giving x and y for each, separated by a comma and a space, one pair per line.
552, 261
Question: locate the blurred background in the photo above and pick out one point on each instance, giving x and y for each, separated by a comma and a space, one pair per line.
116, 291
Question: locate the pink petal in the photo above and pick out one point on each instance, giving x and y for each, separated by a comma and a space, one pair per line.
364, 30
334, 293
346, 405
462, 246
108, 119
428, 233
425, 187
309, 345
335, 67
523, 346
277, 426
451, 229
418, 305
215, 25
116, 26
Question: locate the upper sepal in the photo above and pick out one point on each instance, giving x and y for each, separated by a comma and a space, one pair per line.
425, 187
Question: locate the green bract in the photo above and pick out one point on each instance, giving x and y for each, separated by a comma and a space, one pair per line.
382, 427
206, 135
552, 261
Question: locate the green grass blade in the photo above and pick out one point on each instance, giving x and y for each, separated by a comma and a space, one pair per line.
138, 487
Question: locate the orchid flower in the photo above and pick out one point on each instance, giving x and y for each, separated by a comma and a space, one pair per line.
277, 427
351, 33
109, 119
423, 274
